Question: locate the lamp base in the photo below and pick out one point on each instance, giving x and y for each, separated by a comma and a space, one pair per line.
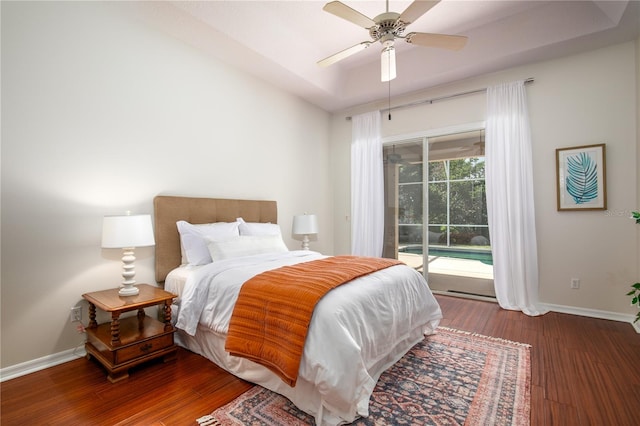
128, 290
305, 242
128, 273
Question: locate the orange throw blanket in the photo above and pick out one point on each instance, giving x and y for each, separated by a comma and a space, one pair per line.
271, 318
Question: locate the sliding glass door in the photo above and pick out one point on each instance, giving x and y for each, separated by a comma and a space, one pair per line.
436, 216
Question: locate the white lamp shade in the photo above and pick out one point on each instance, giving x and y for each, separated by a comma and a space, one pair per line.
306, 224
127, 231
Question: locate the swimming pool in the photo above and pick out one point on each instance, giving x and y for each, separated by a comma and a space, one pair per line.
457, 253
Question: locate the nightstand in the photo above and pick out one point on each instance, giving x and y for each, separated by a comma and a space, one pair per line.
124, 343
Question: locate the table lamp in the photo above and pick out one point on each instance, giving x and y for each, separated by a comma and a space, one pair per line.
127, 232
306, 224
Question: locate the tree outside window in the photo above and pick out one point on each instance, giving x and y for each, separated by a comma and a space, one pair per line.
457, 203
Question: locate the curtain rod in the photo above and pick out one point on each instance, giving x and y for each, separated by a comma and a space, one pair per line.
440, 98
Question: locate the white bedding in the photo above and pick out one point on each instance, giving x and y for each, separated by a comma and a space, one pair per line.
177, 278
357, 331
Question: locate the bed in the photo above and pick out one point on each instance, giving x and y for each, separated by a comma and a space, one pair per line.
357, 330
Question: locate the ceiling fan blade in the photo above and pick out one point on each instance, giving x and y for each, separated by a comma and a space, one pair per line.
343, 11
444, 41
343, 54
416, 10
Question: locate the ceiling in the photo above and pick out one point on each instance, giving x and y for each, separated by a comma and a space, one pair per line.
281, 41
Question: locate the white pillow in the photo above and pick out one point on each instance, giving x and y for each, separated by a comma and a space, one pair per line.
255, 228
246, 245
192, 239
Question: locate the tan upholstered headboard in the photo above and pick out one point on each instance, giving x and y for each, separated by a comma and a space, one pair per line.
167, 210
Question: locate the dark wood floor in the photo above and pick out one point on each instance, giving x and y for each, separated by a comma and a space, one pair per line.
584, 372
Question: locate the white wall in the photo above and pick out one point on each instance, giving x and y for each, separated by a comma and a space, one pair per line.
100, 113
584, 99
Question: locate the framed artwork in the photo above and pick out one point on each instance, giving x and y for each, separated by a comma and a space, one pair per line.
581, 178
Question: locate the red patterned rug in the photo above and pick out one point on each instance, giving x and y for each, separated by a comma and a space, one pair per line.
450, 378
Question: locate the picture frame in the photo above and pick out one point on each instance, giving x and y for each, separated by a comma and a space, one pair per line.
581, 178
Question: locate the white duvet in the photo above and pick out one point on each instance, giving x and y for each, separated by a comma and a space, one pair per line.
357, 331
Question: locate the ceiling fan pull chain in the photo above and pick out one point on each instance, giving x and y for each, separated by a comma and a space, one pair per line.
389, 110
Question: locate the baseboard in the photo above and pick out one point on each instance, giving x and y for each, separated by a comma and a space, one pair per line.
34, 365
593, 313
466, 295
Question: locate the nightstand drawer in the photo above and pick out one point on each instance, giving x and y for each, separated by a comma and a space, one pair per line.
143, 348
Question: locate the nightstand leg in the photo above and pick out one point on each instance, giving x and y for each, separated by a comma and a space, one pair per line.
116, 377
167, 315
141, 316
115, 328
92, 316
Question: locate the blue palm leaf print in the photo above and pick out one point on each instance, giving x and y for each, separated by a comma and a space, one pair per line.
582, 178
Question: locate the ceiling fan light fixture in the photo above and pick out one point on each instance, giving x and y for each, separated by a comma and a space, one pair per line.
388, 61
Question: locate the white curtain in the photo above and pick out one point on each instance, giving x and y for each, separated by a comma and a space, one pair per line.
367, 186
510, 209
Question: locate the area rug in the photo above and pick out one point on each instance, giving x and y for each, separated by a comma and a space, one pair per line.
450, 378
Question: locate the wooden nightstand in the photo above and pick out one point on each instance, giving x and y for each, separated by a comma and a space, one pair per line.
122, 344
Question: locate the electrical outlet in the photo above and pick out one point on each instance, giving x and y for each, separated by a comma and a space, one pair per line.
76, 314
575, 283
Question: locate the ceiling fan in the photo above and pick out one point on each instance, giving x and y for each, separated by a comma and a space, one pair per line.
386, 28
